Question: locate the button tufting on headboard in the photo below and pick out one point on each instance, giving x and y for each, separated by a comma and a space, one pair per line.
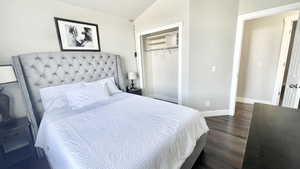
42, 70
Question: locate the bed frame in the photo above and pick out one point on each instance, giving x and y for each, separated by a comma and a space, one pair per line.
39, 70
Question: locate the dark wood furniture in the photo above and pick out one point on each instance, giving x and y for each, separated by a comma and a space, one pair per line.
16, 143
135, 91
274, 139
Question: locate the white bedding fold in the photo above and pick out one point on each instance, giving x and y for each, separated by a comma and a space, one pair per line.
127, 132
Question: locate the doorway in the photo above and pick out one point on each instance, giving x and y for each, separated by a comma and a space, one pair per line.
290, 25
242, 19
266, 51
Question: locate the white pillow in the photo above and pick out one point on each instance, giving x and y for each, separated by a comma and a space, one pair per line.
109, 82
87, 95
55, 98
112, 88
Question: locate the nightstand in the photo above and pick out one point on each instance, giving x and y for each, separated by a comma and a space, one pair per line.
135, 91
16, 143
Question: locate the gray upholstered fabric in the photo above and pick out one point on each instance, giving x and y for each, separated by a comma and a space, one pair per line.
41, 70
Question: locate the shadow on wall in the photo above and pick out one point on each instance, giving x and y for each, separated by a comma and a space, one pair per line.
17, 104
123, 68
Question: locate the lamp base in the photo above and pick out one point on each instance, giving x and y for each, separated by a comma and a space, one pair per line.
4, 109
132, 87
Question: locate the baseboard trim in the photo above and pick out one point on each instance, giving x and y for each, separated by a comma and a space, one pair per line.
213, 113
251, 101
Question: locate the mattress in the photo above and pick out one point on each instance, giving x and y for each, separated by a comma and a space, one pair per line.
124, 132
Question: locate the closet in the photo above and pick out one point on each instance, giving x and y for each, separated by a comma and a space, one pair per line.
160, 57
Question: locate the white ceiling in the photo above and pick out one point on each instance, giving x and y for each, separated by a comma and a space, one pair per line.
129, 9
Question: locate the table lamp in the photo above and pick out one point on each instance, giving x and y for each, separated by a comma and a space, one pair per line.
7, 75
132, 76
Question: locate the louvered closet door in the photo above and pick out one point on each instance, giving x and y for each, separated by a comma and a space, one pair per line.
292, 89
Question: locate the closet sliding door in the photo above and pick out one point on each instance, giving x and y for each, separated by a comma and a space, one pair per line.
161, 65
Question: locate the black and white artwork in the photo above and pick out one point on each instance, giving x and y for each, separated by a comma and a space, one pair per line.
77, 36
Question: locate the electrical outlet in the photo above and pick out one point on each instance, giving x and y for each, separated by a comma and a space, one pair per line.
207, 103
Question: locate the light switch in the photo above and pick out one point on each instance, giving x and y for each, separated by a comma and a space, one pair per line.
207, 103
213, 68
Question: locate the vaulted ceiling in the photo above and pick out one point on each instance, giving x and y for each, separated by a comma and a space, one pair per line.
129, 9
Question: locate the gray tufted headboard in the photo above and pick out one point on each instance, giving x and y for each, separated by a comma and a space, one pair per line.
40, 70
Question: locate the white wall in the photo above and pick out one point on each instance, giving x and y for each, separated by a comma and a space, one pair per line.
209, 30
212, 30
247, 6
28, 26
260, 57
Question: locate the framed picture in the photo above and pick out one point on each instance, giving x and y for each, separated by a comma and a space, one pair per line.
77, 36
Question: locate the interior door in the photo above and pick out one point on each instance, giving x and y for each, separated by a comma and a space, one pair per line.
292, 88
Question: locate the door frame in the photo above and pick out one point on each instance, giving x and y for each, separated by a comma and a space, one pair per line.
285, 46
239, 42
140, 59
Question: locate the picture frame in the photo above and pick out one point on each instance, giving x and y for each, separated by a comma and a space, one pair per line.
77, 36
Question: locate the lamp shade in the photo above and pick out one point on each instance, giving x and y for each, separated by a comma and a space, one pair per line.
132, 75
7, 74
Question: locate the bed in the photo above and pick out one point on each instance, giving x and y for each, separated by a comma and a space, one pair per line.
146, 134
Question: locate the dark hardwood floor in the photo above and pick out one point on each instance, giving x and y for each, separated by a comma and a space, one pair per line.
225, 145
227, 140
32, 164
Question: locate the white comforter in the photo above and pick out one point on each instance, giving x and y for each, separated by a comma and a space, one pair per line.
127, 132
